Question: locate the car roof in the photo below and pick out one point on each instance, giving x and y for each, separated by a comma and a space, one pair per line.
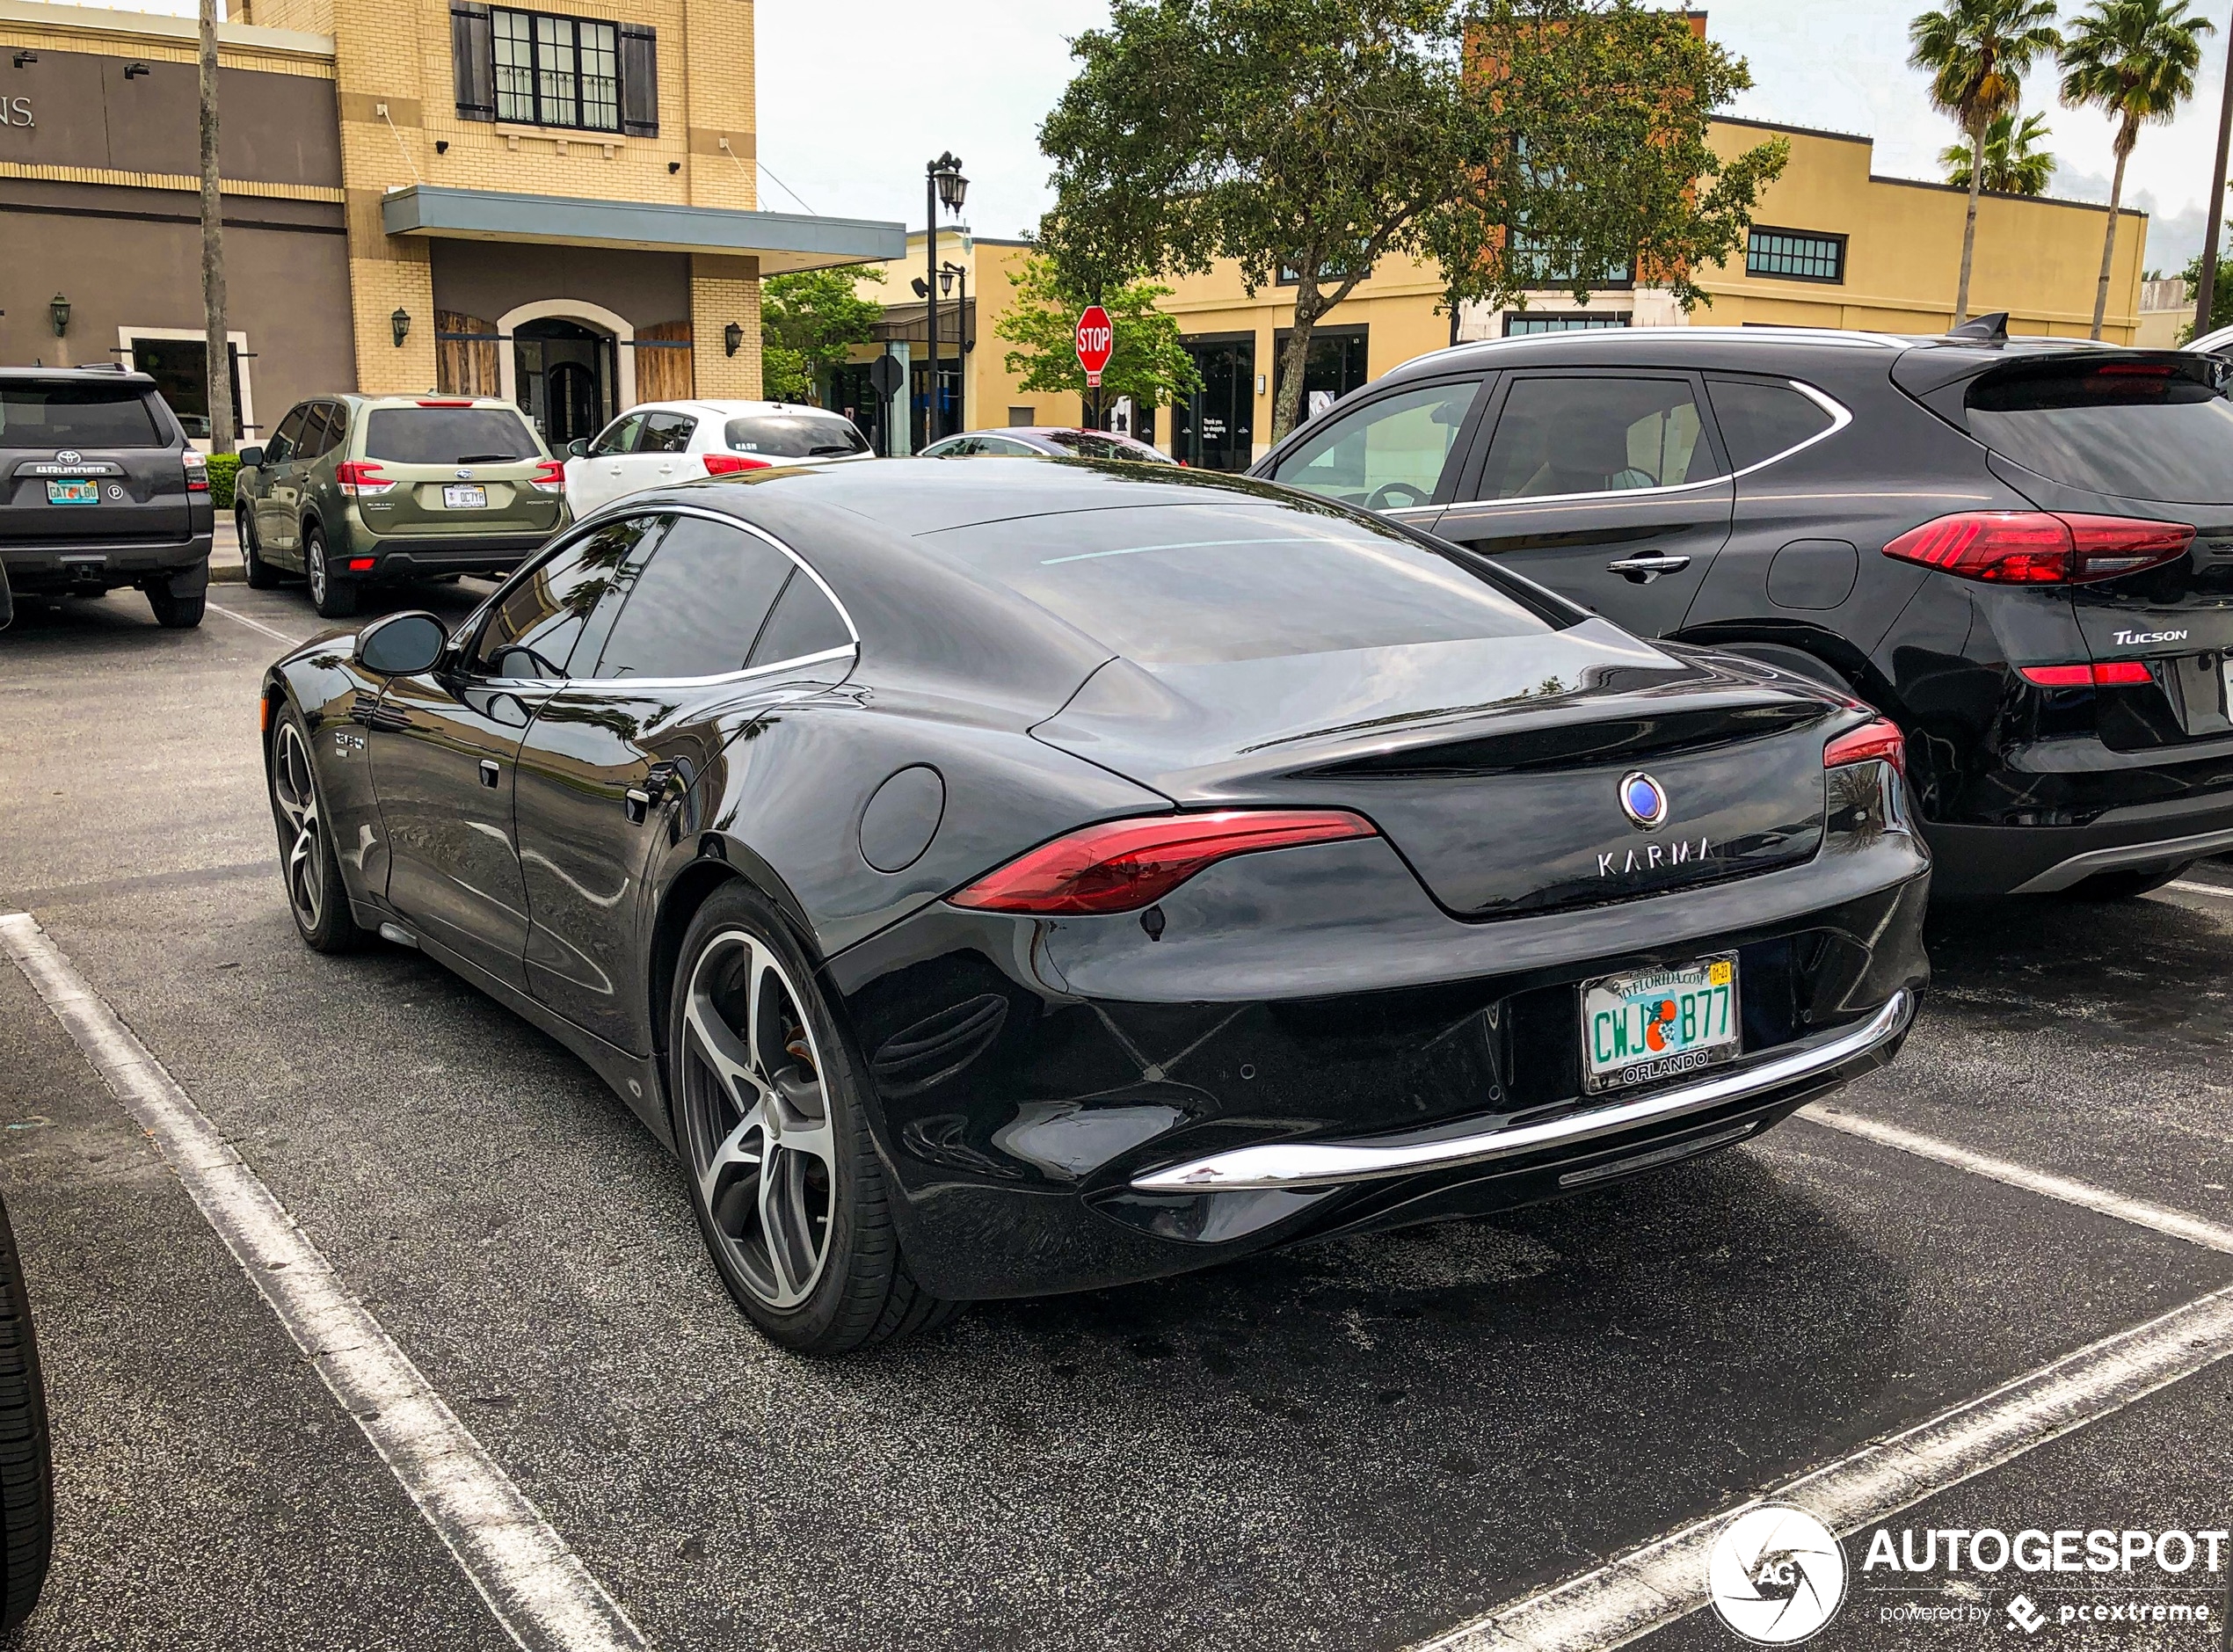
731, 410
108, 373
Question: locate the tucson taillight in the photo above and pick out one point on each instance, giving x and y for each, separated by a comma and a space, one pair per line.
197, 472
2112, 673
727, 464
1877, 742
2040, 547
550, 476
359, 478
1121, 865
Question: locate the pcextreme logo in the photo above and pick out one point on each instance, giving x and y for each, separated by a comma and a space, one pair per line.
1775, 1575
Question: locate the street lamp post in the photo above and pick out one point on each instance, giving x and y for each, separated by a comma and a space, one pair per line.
943, 182
947, 274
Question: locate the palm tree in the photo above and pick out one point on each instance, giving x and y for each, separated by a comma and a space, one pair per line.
2014, 163
1977, 51
2135, 59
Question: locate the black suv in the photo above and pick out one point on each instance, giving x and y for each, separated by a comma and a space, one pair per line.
2020, 550
99, 489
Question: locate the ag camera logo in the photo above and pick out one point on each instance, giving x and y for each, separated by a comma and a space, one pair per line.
1775, 1575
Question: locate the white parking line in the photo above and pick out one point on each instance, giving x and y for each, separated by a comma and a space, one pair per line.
2176, 1224
536, 1586
258, 625
2193, 888
1650, 1587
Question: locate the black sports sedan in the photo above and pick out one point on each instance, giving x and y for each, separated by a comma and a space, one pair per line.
993, 880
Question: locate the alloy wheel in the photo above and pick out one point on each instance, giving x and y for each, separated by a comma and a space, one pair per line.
757, 1114
296, 792
314, 569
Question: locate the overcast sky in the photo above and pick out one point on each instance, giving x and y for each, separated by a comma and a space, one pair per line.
856, 95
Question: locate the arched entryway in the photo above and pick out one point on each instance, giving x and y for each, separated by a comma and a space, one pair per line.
569, 367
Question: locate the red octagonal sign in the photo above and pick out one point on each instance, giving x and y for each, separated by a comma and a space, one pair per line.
1096, 342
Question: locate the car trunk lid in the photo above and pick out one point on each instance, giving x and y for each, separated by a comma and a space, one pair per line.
92, 463
453, 467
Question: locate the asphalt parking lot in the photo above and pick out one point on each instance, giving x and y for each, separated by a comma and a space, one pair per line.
1364, 1444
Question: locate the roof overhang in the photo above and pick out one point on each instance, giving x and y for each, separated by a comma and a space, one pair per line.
781, 241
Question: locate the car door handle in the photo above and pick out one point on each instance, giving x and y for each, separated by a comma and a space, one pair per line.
1645, 569
489, 773
638, 802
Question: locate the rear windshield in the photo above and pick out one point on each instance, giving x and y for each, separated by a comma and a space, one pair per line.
1193, 583
2145, 430
794, 436
448, 435
77, 416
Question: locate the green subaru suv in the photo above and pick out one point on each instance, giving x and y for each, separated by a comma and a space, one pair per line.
353, 490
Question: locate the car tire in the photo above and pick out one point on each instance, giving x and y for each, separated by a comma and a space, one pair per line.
334, 598
2125, 885
175, 613
26, 1469
315, 895
782, 1171
258, 574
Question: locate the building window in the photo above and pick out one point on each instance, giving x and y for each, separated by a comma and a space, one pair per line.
1516, 324
177, 360
554, 71
1330, 274
1795, 255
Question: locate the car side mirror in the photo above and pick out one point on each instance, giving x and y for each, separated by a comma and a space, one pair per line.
402, 644
577, 448
250, 456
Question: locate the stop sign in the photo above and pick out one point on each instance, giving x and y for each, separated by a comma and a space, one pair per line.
1097, 340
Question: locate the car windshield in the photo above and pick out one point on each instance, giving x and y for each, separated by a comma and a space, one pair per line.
448, 435
1238, 579
2136, 428
794, 436
74, 415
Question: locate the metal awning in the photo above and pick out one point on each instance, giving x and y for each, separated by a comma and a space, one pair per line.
780, 241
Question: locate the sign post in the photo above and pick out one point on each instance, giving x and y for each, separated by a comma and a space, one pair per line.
1097, 343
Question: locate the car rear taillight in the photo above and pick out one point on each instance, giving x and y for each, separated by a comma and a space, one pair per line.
727, 464
197, 472
2114, 674
1121, 865
361, 478
1877, 742
2040, 547
550, 476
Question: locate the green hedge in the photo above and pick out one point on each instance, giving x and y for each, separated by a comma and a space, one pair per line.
222, 468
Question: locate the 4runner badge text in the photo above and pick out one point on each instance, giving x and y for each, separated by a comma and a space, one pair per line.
2127, 639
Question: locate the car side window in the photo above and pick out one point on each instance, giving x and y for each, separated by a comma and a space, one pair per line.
1760, 419
1006, 446
288, 436
541, 617
318, 431
1387, 453
696, 608
1596, 435
804, 621
667, 433
617, 437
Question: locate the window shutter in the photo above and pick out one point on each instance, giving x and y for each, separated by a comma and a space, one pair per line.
473, 63
639, 80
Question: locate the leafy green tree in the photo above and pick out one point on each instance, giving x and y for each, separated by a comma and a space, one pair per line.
807, 322
1148, 363
1307, 140
2221, 297
2135, 60
2014, 163
1977, 51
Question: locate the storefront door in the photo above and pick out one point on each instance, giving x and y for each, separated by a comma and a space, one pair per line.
565, 379
1215, 430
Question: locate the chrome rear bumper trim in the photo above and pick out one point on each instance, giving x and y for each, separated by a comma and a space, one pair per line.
1318, 1164
2078, 867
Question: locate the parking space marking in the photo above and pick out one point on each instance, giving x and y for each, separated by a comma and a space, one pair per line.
1652, 1586
258, 625
2178, 1224
2193, 888
533, 1582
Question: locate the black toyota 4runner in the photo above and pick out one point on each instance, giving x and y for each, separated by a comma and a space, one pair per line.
99, 489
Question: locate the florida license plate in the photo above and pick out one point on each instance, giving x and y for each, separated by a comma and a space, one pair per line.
73, 492
1652, 1024
470, 495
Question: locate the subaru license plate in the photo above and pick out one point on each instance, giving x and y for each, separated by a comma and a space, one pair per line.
73, 492
470, 495
1650, 1024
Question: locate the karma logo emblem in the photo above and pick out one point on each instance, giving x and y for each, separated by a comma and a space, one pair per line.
1775, 1575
